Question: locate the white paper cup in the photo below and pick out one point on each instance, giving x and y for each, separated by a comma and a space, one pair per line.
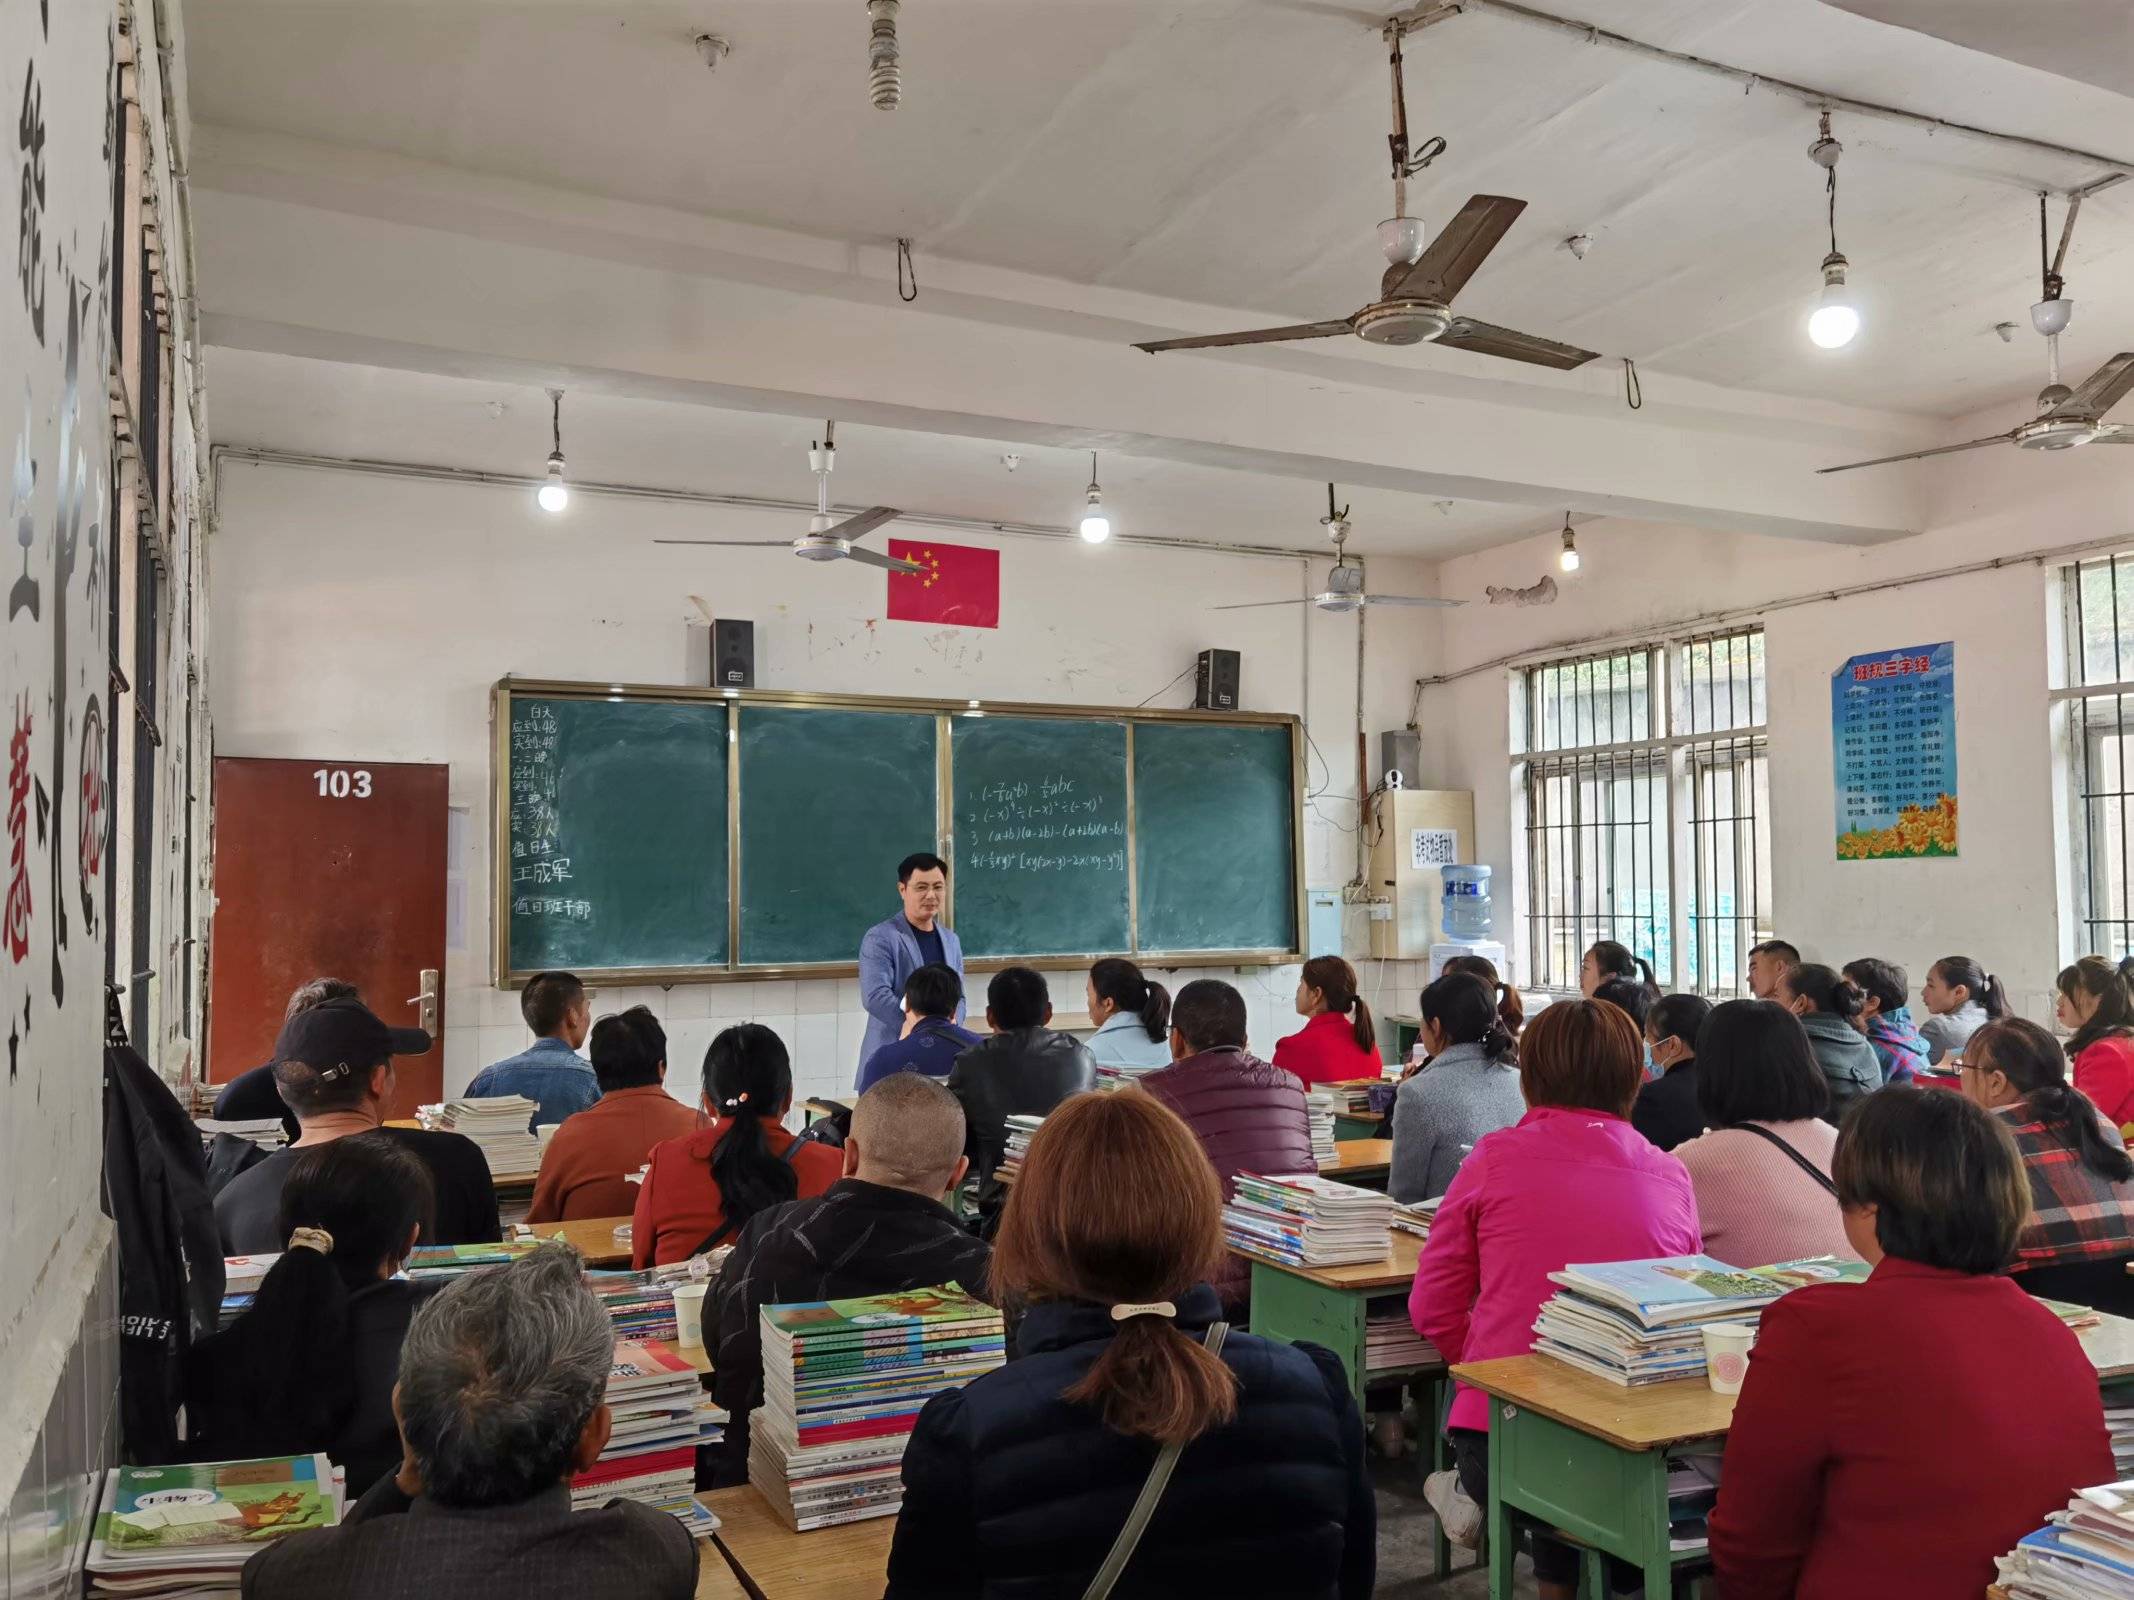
689, 1314
1726, 1355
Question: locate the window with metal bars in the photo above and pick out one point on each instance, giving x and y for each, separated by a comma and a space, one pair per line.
2093, 709
1640, 770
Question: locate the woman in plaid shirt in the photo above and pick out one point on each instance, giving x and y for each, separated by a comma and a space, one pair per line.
2081, 1229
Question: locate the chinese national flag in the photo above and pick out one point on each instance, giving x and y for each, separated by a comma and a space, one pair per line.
960, 584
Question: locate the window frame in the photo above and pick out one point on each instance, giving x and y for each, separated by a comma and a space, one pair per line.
2085, 716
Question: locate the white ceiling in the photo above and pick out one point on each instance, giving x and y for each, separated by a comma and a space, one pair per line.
2091, 41
333, 409
1232, 152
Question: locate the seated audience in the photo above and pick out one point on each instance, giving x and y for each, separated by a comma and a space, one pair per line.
2097, 1006
1511, 1009
701, 1189
1666, 1109
1827, 1004
1894, 1436
550, 1070
1768, 963
1024, 1069
1337, 1043
312, 1363
1634, 999
1762, 1172
932, 1038
1886, 1019
1570, 1181
1020, 1482
1133, 1017
501, 1399
1609, 959
334, 1067
881, 1227
588, 1162
251, 1096
1961, 997
1469, 1088
1247, 1115
2080, 1232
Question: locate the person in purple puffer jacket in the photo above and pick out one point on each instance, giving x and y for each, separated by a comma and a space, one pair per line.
1887, 1020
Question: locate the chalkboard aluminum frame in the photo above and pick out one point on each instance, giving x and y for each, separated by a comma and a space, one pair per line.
735, 971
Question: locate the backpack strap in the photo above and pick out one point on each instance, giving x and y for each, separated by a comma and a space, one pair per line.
1137, 1520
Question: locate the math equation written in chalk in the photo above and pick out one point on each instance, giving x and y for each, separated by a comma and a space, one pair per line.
1043, 824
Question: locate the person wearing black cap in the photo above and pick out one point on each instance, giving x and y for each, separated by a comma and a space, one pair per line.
333, 1066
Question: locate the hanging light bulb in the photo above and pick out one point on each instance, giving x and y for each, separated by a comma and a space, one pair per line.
1568, 561
1095, 526
1835, 321
554, 495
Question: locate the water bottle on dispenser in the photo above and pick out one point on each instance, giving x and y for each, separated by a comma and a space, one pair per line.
1465, 916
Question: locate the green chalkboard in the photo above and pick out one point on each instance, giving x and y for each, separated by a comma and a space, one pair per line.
616, 834
1214, 849
1039, 830
831, 801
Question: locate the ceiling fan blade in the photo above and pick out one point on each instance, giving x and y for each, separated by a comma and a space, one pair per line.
1915, 455
1299, 330
1487, 339
2101, 390
1406, 600
2120, 435
734, 544
875, 558
1255, 605
1461, 246
858, 527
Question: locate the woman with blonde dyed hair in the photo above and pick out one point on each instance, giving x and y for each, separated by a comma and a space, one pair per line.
1031, 1478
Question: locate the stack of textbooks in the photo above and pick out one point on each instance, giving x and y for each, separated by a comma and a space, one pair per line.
266, 1132
1641, 1322
1304, 1220
1020, 1131
190, 1530
499, 1126
1416, 1215
1319, 1106
844, 1382
2119, 1424
1692, 1491
1390, 1339
639, 1304
2085, 1552
662, 1416
442, 1262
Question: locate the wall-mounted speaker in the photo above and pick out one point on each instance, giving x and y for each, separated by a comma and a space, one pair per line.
1215, 681
733, 654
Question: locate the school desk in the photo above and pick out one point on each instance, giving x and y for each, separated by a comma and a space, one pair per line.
847, 1562
1366, 1163
1357, 1125
715, 1579
1590, 1457
592, 1237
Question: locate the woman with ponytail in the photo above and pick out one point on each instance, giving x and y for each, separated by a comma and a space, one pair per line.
1607, 960
700, 1190
1829, 1004
1469, 1088
1337, 1043
2081, 1231
1133, 1017
1022, 1480
2096, 1002
1961, 997
312, 1364
1511, 1009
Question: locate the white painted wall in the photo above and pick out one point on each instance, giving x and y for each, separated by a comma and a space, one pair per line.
2000, 900
364, 618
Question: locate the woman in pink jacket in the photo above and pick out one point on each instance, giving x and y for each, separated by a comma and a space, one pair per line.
1570, 1181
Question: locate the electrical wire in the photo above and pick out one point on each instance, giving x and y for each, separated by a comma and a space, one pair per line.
1633, 390
1166, 689
906, 270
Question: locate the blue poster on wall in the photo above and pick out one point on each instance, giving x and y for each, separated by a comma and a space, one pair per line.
1893, 747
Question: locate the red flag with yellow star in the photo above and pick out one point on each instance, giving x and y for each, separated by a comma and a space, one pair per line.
960, 584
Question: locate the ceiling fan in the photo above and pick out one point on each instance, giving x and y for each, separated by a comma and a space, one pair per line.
1414, 297
827, 538
1344, 583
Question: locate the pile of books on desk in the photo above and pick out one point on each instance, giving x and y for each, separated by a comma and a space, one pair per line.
266, 1132
1020, 1130
189, 1530
1390, 1339
640, 1304
444, 1262
1319, 1107
498, 1125
2085, 1552
844, 1382
662, 1416
2119, 1424
1304, 1220
1416, 1215
1641, 1322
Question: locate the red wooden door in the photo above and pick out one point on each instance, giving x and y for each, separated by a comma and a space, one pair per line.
326, 869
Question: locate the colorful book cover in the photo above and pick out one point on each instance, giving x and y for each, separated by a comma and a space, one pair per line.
199, 1508
883, 1316
428, 1260
639, 1364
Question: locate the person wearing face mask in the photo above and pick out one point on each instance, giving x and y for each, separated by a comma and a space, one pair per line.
1666, 1108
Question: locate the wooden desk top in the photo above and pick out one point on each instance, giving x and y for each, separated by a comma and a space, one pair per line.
1650, 1418
715, 1579
1358, 1155
846, 1562
1396, 1270
592, 1237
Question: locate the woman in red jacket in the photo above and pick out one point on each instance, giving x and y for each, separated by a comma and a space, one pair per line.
1856, 1468
2096, 1003
1337, 1043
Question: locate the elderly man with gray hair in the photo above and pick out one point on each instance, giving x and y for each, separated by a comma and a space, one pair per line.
502, 1396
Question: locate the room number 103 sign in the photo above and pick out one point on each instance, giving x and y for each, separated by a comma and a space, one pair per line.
343, 783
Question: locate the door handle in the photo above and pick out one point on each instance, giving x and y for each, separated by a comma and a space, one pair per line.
426, 1018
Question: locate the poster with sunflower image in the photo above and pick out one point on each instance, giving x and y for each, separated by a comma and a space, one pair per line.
1893, 748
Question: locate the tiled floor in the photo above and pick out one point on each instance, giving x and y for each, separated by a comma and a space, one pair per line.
1406, 1527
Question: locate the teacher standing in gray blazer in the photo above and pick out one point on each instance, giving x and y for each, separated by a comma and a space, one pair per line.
897, 946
